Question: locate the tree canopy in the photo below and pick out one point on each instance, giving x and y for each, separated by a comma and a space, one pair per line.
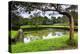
35, 10
20, 7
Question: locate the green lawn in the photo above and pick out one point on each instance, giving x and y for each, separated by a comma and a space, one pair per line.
60, 43
47, 26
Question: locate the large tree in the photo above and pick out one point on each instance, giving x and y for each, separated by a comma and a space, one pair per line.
63, 9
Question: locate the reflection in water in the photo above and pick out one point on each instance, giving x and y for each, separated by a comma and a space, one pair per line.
57, 34
48, 37
42, 34
26, 40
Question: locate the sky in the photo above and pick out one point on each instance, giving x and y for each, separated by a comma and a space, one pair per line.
27, 15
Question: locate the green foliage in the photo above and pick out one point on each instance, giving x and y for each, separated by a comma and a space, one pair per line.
75, 16
54, 20
13, 34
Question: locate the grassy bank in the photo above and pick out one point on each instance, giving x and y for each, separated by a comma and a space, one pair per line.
47, 26
60, 43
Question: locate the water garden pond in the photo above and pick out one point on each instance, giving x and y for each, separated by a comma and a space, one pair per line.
47, 33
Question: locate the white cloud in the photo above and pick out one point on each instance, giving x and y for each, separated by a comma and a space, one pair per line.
49, 14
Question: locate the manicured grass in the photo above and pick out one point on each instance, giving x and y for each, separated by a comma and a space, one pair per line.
46, 26
60, 43
28, 26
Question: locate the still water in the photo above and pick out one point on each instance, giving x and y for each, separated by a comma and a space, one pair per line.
48, 33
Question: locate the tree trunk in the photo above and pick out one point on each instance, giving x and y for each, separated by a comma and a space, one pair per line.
20, 36
71, 24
